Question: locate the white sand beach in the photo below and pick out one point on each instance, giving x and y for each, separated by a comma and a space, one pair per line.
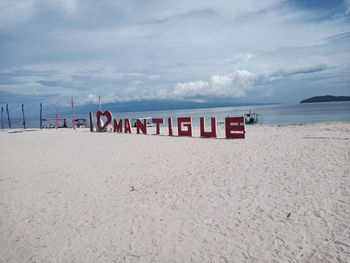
280, 195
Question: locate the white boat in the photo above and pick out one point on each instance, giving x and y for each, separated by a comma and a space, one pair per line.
251, 118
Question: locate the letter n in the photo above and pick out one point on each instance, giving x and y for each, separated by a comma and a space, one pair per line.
141, 126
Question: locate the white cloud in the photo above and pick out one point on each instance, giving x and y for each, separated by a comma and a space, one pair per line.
16, 11
67, 5
238, 83
347, 11
20, 11
191, 89
193, 50
232, 85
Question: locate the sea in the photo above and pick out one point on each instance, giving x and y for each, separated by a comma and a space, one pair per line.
267, 114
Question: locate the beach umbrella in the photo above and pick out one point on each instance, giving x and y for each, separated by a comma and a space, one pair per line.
8, 115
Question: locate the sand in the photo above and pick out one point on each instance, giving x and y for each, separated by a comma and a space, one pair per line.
280, 195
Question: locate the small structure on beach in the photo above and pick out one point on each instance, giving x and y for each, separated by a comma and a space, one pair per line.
51, 123
251, 118
80, 123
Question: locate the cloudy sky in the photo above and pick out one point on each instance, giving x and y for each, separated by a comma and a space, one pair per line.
203, 51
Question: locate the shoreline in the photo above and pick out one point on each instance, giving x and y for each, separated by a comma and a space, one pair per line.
151, 129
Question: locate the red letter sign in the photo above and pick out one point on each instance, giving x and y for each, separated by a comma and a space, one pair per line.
141, 126
158, 122
108, 115
91, 123
205, 134
118, 126
127, 126
182, 120
234, 127
170, 126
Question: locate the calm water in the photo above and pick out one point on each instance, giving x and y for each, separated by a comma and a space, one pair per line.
297, 113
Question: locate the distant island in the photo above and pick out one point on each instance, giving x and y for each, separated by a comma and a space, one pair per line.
326, 98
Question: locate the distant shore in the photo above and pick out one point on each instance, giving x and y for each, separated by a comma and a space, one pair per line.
327, 98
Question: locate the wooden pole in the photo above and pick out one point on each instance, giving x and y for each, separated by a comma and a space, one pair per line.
41, 115
91, 123
24, 119
57, 113
2, 117
8, 116
73, 113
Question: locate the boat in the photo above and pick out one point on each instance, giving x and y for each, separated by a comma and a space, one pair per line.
251, 118
80, 123
51, 123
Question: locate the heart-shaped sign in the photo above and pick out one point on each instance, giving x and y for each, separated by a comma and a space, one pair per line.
108, 121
